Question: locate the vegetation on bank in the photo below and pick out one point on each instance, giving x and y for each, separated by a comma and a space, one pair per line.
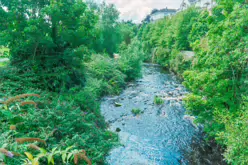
60, 66
4, 52
217, 74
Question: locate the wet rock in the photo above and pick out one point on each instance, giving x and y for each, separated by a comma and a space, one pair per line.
190, 119
118, 104
118, 130
123, 115
120, 120
204, 152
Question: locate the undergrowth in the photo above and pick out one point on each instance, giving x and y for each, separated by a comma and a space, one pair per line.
71, 118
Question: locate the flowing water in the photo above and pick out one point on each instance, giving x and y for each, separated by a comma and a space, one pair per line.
158, 135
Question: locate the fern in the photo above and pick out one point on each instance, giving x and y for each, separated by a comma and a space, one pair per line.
18, 97
23, 140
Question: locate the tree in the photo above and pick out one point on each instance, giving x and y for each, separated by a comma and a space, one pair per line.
108, 31
47, 36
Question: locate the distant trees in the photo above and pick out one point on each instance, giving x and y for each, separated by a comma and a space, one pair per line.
112, 32
109, 33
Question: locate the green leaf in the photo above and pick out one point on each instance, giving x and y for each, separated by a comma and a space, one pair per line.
64, 157
29, 155
69, 156
8, 114
43, 151
35, 161
50, 159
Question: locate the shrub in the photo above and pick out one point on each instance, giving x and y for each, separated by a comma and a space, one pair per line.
236, 138
130, 62
179, 62
61, 122
51, 42
161, 56
105, 69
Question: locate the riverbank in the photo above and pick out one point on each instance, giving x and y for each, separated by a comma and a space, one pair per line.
216, 75
50, 112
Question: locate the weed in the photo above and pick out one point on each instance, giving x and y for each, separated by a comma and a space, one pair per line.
137, 111
158, 100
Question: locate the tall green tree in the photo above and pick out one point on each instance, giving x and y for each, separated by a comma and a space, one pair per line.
48, 36
108, 31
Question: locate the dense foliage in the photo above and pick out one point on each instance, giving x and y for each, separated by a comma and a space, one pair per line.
216, 75
61, 64
61, 51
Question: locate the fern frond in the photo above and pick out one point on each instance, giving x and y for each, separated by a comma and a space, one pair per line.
82, 156
28, 103
6, 152
33, 146
12, 127
23, 140
18, 97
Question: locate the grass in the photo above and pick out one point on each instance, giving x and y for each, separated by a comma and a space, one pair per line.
137, 111
158, 100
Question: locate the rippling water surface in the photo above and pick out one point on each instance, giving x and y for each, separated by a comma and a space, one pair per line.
158, 135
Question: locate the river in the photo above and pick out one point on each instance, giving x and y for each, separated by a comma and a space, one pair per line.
160, 133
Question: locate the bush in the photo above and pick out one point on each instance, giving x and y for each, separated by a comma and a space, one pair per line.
130, 62
179, 62
106, 70
60, 121
161, 56
51, 42
4, 52
236, 138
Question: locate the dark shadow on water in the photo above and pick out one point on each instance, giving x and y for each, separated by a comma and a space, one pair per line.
204, 152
